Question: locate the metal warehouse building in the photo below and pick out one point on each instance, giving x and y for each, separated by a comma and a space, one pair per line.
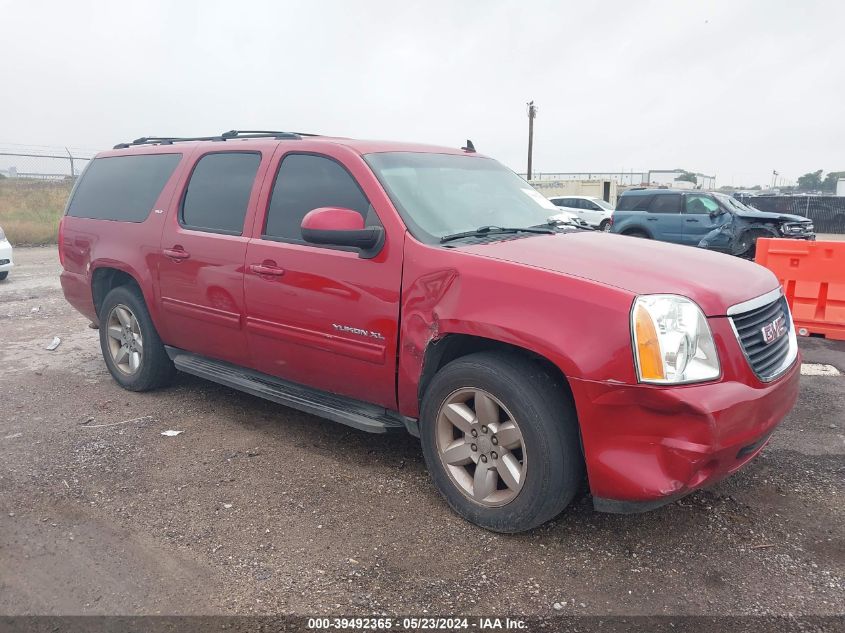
653, 177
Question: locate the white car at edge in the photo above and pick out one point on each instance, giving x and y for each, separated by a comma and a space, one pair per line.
6, 262
594, 211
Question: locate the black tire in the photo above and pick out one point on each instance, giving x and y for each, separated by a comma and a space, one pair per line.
747, 246
4, 274
640, 234
156, 369
603, 225
545, 414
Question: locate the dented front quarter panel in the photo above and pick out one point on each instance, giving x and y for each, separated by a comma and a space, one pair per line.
562, 318
641, 442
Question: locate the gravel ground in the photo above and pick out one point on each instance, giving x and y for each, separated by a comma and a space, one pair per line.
258, 509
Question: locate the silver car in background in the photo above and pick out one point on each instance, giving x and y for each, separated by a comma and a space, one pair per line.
594, 211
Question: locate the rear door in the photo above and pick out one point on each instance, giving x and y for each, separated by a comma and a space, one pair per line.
697, 219
318, 315
664, 219
200, 266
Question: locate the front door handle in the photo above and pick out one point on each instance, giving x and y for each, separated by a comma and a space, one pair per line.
652, 219
267, 268
691, 220
177, 252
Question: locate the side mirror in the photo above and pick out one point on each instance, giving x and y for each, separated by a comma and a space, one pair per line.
336, 226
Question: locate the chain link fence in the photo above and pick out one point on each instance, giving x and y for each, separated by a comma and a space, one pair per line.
42, 163
826, 212
35, 183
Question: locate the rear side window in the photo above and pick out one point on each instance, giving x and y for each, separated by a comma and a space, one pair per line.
218, 192
306, 182
122, 188
666, 203
634, 203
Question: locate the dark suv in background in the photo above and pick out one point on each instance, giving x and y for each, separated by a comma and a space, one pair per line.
708, 220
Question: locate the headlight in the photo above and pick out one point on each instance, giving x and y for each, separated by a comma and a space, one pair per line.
672, 341
797, 228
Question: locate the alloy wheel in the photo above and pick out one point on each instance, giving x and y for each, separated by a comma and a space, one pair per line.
125, 342
481, 447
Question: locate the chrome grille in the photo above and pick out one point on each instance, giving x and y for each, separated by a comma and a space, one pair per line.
766, 359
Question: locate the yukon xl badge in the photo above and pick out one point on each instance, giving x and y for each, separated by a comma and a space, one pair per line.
358, 331
774, 330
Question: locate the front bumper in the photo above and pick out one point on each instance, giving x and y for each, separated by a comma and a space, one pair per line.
646, 446
810, 237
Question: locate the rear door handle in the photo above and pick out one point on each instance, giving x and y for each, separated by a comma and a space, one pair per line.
177, 253
267, 268
691, 220
652, 219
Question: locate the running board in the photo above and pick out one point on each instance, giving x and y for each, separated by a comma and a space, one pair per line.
354, 413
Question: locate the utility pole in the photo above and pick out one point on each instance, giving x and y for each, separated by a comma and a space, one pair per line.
532, 112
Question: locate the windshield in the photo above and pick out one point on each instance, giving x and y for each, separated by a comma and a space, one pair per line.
604, 205
733, 204
444, 194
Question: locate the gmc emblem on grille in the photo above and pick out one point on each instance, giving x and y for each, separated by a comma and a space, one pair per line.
774, 330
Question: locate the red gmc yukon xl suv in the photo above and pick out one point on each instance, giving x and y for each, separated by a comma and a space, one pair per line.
399, 286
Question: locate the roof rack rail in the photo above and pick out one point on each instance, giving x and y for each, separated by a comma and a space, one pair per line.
260, 134
225, 136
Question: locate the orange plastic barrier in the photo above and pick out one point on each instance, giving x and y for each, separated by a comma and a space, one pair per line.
813, 279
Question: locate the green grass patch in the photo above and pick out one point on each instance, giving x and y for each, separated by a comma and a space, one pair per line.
30, 209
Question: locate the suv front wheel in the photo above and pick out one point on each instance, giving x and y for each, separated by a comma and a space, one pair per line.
131, 347
500, 439
747, 247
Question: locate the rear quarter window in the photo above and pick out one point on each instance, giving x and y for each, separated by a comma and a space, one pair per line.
634, 203
122, 188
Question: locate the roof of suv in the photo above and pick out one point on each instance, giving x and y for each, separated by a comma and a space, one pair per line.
651, 192
166, 144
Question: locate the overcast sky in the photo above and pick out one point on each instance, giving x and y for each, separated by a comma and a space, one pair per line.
732, 88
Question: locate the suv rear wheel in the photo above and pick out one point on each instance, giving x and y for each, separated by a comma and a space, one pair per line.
500, 440
131, 346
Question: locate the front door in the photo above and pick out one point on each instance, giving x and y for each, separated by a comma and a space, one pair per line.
591, 213
698, 220
200, 265
316, 315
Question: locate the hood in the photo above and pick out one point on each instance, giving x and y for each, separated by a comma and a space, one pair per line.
713, 280
765, 215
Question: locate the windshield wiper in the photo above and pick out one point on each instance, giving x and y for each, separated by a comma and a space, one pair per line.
494, 230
